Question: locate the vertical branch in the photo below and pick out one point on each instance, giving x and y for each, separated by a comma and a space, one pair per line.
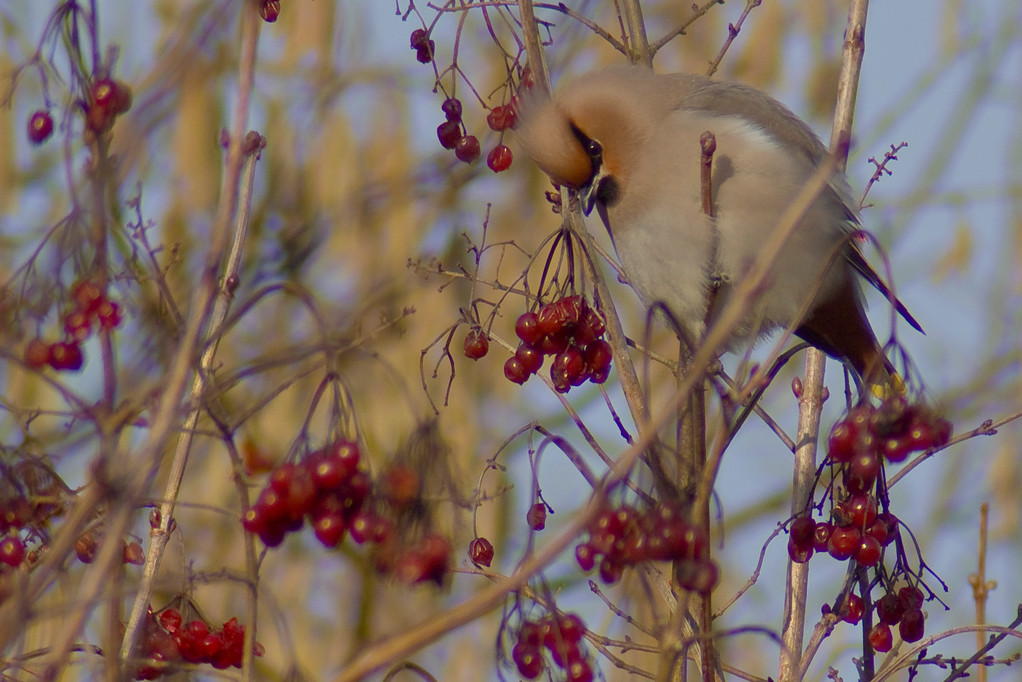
220, 296
981, 587
813, 393
638, 41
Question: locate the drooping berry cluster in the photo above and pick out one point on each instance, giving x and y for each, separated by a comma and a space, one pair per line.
92, 307
571, 331
904, 609
857, 532
857, 448
337, 498
327, 487
625, 536
894, 430
168, 639
561, 636
426, 559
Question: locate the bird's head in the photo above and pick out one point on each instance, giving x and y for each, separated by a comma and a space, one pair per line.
586, 136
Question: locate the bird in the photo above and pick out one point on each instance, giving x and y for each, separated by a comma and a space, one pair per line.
628, 141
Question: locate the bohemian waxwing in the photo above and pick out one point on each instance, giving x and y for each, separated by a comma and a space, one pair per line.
629, 142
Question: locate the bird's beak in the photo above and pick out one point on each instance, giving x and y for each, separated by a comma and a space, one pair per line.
590, 193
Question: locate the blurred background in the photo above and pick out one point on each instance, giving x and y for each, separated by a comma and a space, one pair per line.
357, 204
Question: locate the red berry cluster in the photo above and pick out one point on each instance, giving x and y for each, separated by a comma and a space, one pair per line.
625, 536
327, 487
169, 639
570, 330
480, 551
857, 447
108, 99
428, 559
91, 307
893, 430
858, 532
904, 609
423, 46
40, 126
269, 10
561, 635
452, 135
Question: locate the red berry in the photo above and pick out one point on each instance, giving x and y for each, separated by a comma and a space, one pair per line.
861, 473
862, 510
515, 372
452, 109
579, 671
699, 575
476, 344
852, 609
77, 325
610, 571
40, 127
419, 38
881, 638
480, 551
802, 530
170, 619
799, 553
104, 93
497, 119
911, 626
109, 314
329, 529
527, 328
37, 353
842, 441
585, 556
467, 149
87, 295
530, 358
844, 541
295, 485
424, 54
499, 158
911, 597
66, 355
868, 553
536, 517
528, 660
269, 10
890, 609
12, 551
569, 367
598, 357
449, 133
